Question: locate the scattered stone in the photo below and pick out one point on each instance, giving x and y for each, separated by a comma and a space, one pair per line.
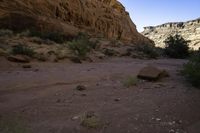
58, 100
117, 99
80, 88
83, 95
18, 58
158, 119
75, 118
27, 66
151, 73
171, 131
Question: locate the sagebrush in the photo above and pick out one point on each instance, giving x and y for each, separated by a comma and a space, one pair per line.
149, 50
80, 46
23, 50
191, 70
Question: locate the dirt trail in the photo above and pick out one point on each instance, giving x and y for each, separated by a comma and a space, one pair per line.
46, 99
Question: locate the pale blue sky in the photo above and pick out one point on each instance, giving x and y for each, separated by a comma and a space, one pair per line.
155, 12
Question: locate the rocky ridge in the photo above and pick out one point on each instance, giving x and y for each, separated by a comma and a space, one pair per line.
107, 18
189, 30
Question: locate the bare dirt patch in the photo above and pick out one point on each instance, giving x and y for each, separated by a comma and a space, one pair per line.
47, 100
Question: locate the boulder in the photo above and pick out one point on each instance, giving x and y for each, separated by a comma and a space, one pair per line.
18, 58
152, 73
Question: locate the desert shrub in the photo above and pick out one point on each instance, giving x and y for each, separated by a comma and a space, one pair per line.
148, 50
53, 36
91, 122
23, 50
176, 47
6, 32
13, 125
81, 45
191, 70
130, 81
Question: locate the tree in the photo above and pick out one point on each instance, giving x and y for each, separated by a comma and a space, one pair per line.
176, 47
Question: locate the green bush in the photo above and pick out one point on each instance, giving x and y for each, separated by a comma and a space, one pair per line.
22, 50
191, 70
176, 47
81, 45
148, 50
130, 81
13, 125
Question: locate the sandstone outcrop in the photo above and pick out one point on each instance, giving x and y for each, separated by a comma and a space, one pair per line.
107, 18
188, 30
152, 73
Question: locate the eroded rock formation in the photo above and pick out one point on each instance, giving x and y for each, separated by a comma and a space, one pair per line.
107, 18
188, 30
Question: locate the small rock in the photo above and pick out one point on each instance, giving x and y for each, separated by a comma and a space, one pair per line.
158, 119
81, 88
75, 118
27, 66
117, 99
179, 122
18, 58
36, 70
83, 95
170, 123
172, 131
58, 100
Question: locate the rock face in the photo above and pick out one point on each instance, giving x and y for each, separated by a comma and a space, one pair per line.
107, 18
188, 30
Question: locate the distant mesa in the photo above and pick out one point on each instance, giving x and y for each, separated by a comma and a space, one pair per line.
189, 30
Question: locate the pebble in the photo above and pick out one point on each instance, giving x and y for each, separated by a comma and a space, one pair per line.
80, 88
27, 66
75, 118
117, 99
172, 131
158, 119
83, 95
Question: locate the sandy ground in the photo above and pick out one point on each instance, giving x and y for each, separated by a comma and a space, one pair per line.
45, 99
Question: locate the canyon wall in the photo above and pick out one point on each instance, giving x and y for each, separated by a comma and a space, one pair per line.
189, 30
107, 18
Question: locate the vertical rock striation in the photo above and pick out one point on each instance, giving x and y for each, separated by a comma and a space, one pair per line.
107, 18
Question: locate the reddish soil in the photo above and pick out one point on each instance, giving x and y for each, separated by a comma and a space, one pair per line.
45, 99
